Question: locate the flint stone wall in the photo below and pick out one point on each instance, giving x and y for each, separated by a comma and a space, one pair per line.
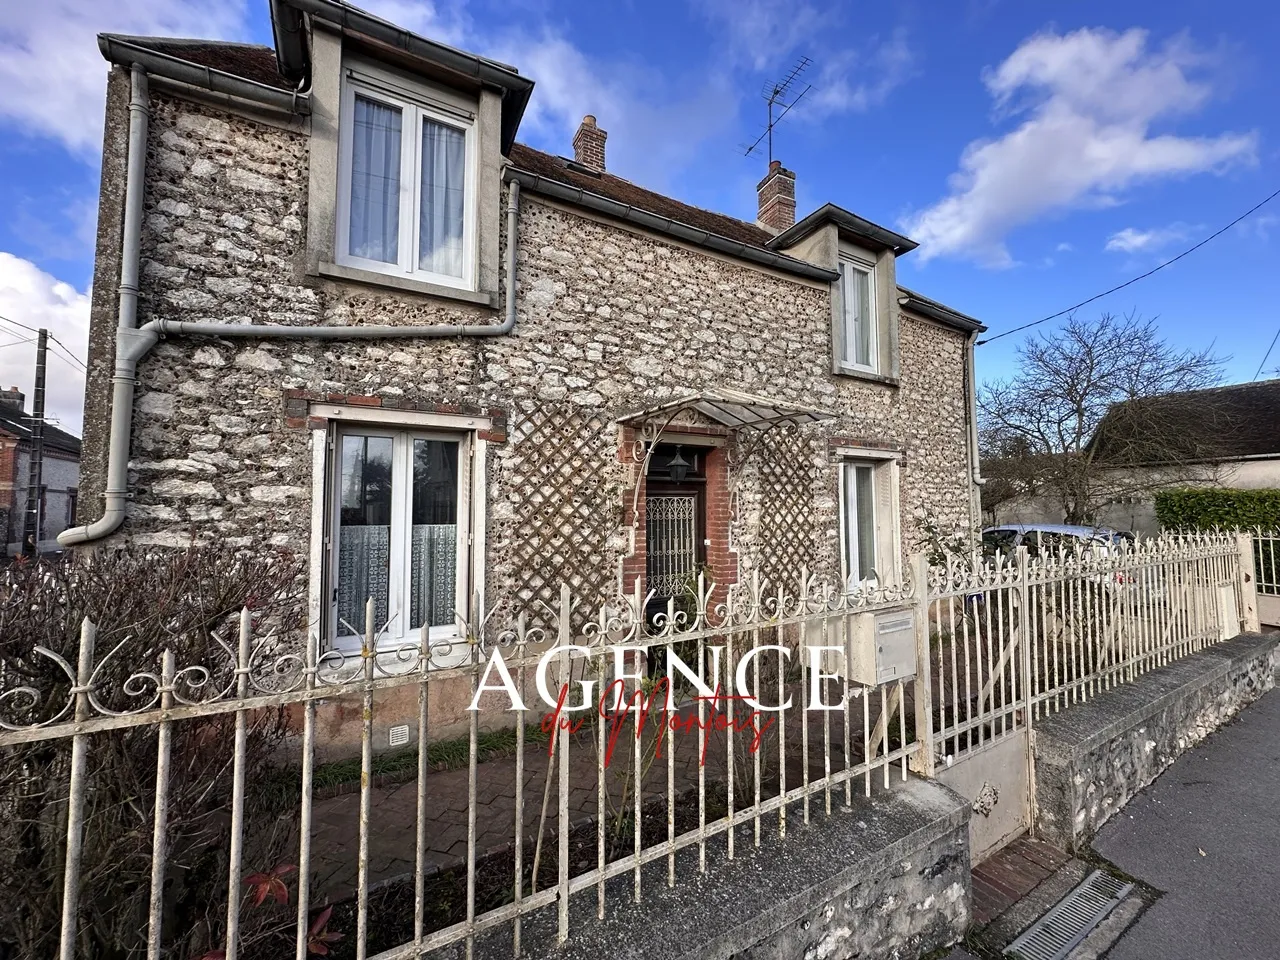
608, 320
1093, 757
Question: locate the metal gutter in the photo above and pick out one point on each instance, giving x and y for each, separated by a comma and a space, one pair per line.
593, 201
971, 414
917, 303
880, 237
292, 56
134, 343
122, 51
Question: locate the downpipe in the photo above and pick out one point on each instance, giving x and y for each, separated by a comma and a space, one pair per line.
133, 342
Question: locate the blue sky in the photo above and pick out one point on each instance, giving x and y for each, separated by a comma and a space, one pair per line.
1040, 153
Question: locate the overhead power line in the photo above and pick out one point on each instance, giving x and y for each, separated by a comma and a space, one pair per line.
1156, 269
1267, 354
65, 348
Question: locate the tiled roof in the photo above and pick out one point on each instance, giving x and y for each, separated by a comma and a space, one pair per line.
624, 191
17, 424
1222, 423
248, 60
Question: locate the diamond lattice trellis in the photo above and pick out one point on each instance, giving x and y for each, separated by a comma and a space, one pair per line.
560, 475
786, 473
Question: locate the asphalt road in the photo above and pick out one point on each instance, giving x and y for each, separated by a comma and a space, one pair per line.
1207, 833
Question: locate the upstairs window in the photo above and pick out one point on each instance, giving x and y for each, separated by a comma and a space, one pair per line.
407, 184
858, 323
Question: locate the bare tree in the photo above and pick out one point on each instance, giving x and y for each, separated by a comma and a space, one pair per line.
1092, 416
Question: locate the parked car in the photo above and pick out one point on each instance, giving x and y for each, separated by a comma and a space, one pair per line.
1040, 537
1037, 537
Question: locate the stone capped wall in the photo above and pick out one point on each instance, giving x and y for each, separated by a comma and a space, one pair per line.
608, 320
1092, 758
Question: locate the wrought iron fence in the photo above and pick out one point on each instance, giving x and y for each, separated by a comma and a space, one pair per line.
1015, 636
1266, 558
634, 780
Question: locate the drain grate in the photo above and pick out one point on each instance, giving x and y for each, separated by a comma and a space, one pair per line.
1055, 934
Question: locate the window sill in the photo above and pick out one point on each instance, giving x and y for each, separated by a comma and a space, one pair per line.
868, 375
481, 298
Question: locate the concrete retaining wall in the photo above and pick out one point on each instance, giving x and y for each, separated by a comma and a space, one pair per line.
887, 879
1093, 757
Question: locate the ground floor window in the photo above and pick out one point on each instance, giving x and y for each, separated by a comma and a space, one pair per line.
400, 508
868, 521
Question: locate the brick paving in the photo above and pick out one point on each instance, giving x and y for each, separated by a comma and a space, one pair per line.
1006, 877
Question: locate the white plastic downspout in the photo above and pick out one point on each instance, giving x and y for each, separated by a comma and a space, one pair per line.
975, 462
127, 336
133, 343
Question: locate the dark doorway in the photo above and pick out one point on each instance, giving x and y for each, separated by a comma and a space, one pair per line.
675, 522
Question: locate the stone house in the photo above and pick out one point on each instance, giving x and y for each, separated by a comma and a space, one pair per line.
347, 313
59, 474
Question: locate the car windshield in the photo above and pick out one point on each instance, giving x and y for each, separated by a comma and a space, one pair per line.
999, 541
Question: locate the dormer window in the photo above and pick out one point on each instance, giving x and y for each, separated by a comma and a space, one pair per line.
406, 182
858, 324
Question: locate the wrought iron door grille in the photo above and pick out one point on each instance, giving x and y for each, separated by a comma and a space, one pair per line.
671, 529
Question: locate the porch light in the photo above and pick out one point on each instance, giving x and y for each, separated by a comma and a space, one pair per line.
679, 467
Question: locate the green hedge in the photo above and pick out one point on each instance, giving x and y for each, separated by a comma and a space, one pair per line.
1207, 508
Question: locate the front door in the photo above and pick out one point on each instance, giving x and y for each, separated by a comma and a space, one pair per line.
674, 524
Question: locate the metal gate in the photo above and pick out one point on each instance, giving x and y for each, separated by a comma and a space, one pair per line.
1015, 637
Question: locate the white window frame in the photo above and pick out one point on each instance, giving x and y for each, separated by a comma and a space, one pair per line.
845, 360
415, 106
885, 529
398, 633
849, 544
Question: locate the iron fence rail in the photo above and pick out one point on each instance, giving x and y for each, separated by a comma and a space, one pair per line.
1266, 554
807, 762
1014, 636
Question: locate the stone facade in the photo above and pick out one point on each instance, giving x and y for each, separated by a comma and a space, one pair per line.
1093, 758
609, 319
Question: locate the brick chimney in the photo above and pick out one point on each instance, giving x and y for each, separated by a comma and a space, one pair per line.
777, 197
588, 144
13, 397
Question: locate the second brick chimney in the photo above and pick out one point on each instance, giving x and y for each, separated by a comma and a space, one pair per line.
13, 397
777, 197
588, 144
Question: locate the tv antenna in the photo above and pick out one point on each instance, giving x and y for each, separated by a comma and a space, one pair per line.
781, 94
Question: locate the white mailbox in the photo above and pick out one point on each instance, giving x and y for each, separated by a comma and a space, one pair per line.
882, 644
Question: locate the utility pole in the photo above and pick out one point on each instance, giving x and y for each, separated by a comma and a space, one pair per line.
35, 465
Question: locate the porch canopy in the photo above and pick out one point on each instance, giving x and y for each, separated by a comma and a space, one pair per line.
730, 408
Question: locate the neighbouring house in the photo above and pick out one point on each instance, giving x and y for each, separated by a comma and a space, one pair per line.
60, 476
1222, 436
453, 371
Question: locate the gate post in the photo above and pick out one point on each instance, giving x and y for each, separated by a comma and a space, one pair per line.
923, 761
1248, 580
1028, 680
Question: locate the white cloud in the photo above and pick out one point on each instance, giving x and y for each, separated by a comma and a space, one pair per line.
1259, 227
1064, 247
886, 63
52, 76
761, 32
656, 121
1090, 99
1130, 240
32, 297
